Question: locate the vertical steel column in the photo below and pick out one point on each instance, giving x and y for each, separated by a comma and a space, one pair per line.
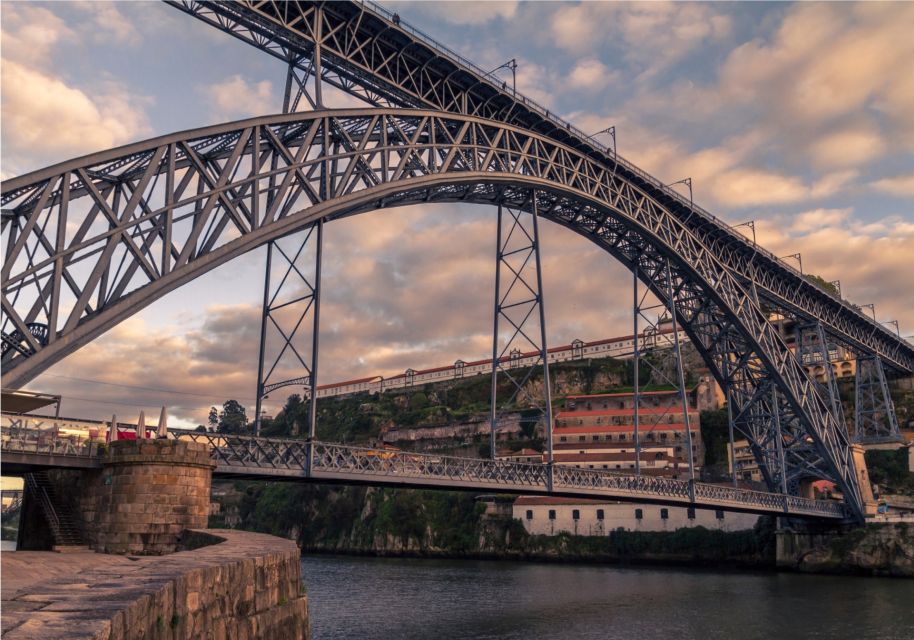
636, 356
779, 437
681, 376
315, 337
263, 337
730, 430
317, 64
493, 415
547, 388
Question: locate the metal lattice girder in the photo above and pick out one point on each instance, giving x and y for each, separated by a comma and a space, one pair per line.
195, 200
519, 312
668, 370
291, 315
874, 414
814, 350
383, 61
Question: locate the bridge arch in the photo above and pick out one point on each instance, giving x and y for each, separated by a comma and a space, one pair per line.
91, 241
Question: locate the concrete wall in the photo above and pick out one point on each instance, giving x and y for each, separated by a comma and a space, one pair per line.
623, 516
245, 587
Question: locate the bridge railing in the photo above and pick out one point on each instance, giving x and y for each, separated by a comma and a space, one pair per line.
368, 461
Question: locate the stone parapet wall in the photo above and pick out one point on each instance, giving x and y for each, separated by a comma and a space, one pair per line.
247, 586
146, 494
158, 488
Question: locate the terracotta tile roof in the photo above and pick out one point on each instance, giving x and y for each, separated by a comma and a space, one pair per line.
532, 501
620, 428
622, 412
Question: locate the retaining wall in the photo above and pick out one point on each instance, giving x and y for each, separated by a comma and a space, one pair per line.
246, 586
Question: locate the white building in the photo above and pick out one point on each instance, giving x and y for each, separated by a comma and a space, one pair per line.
621, 347
542, 515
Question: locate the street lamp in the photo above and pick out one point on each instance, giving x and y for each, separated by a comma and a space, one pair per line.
797, 257
894, 322
750, 224
611, 131
512, 66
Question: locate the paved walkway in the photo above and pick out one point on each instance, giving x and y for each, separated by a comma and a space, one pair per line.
33, 580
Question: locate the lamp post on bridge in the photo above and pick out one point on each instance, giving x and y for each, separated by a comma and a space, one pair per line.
511, 65
796, 256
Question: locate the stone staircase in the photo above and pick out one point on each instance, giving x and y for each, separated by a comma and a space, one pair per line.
64, 525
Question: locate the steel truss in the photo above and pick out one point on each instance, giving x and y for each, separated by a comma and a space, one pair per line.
290, 308
519, 309
304, 303
875, 420
367, 53
147, 218
653, 342
814, 350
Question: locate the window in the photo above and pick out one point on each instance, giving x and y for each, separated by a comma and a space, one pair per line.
552, 514
691, 513
582, 438
575, 514
664, 514
639, 514
719, 514
529, 514
599, 514
563, 439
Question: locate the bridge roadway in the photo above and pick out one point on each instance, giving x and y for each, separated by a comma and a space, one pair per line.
298, 460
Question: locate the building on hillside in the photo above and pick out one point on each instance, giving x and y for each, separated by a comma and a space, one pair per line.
842, 360
543, 515
598, 432
747, 468
523, 455
620, 347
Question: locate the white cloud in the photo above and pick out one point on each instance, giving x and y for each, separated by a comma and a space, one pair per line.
680, 27
897, 185
44, 118
30, 33
591, 75
237, 97
106, 23
816, 219
848, 147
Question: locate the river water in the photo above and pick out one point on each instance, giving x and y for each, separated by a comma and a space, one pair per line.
368, 598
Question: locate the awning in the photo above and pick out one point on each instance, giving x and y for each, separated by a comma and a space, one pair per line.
26, 401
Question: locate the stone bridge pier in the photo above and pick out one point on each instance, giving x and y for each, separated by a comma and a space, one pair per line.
145, 495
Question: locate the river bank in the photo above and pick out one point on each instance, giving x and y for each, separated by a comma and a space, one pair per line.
447, 525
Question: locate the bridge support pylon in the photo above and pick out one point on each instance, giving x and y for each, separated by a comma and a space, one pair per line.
874, 414
520, 309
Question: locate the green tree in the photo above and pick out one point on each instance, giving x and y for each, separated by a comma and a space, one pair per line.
822, 282
233, 418
213, 418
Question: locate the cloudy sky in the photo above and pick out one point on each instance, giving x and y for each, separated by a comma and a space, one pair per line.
798, 116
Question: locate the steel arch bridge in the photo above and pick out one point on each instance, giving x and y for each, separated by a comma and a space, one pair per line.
91, 241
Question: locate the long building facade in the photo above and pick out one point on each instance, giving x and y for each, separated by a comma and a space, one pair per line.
621, 347
598, 432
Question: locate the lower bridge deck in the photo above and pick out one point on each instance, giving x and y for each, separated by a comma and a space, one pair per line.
299, 460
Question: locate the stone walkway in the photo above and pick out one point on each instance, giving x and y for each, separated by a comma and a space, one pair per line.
33, 580
230, 584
